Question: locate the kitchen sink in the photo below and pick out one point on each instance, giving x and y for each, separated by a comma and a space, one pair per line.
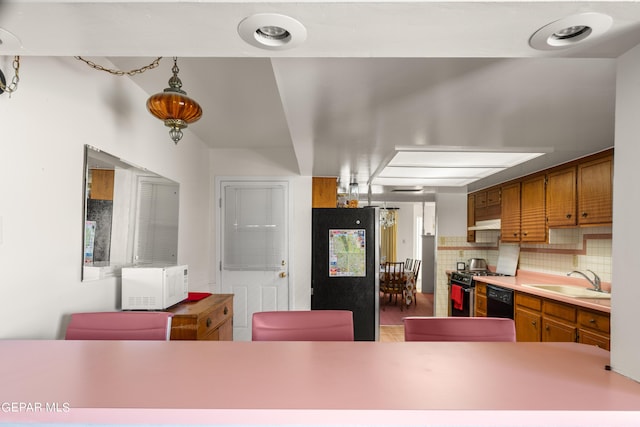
571, 291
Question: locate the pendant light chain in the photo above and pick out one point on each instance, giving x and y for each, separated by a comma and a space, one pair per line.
13, 86
133, 72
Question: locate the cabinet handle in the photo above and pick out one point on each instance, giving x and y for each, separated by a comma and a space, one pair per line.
208, 322
546, 328
533, 323
515, 234
584, 214
592, 320
525, 233
568, 216
226, 310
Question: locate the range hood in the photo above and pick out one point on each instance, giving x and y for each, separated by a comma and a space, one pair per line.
490, 224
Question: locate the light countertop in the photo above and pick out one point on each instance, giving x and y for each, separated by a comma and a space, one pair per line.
527, 278
314, 383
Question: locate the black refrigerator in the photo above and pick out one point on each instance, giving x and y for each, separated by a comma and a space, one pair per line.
345, 266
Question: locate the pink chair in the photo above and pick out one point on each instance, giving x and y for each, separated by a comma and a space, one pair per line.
459, 329
120, 325
314, 325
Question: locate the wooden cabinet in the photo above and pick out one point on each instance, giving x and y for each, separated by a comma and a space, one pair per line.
510, 213
471, 217
528, 317
208, 319
481, 299
101, 184
487, 204
578, 193
561, 198
558, 321
528, 325
595, 191
544, 319
324, 192
532, 210
593, 328
523, 213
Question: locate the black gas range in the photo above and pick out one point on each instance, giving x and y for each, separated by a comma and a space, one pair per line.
462, 291
465, 277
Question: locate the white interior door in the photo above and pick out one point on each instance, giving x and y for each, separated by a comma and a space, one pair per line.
254, 249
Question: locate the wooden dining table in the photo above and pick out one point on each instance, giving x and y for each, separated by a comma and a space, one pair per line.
409, 280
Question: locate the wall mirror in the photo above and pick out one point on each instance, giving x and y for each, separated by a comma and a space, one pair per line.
130, 216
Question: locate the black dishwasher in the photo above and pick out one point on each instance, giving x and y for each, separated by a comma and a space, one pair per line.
499, 302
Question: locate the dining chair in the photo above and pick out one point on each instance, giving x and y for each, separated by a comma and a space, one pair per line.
393, 283
408, 264
415, 271
120, 325
459, 329
299, 325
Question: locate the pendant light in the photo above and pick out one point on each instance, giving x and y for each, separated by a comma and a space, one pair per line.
174, 107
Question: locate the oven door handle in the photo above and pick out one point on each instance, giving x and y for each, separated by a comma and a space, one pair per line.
466, 289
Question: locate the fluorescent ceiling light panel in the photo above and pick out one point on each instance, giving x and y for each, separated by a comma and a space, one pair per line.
413, 182
446, 172
450, 168
460, 158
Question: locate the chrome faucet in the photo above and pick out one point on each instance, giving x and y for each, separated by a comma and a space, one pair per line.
595, 282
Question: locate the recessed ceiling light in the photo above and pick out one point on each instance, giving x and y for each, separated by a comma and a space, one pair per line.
272, 31
9, 41
570, 30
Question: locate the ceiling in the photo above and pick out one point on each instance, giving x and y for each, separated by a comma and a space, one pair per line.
369, 78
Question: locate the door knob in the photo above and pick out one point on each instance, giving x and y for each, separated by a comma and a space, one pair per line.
283, 274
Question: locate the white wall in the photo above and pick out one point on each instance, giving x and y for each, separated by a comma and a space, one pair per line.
405, 239
59, 106
625, 296
451, 225
451, 214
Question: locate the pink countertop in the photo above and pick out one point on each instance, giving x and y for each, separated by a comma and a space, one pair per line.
530, 278
319, 383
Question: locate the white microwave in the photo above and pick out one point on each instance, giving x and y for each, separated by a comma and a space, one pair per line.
153, 287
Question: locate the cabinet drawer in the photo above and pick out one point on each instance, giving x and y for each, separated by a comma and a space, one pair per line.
559, 310
209, 322
592, 338
593, 320
529, 301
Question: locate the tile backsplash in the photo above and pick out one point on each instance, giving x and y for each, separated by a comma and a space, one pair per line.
572, 249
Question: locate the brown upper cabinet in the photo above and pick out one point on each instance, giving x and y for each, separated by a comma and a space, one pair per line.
561, 198
523, 211
510, 222
595, 191
102, 184
578, 193
324, 192
533, 227
487, 204
471, 217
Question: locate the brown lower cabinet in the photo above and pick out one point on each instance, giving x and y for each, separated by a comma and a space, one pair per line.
209, 319
542, 319
481, 299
